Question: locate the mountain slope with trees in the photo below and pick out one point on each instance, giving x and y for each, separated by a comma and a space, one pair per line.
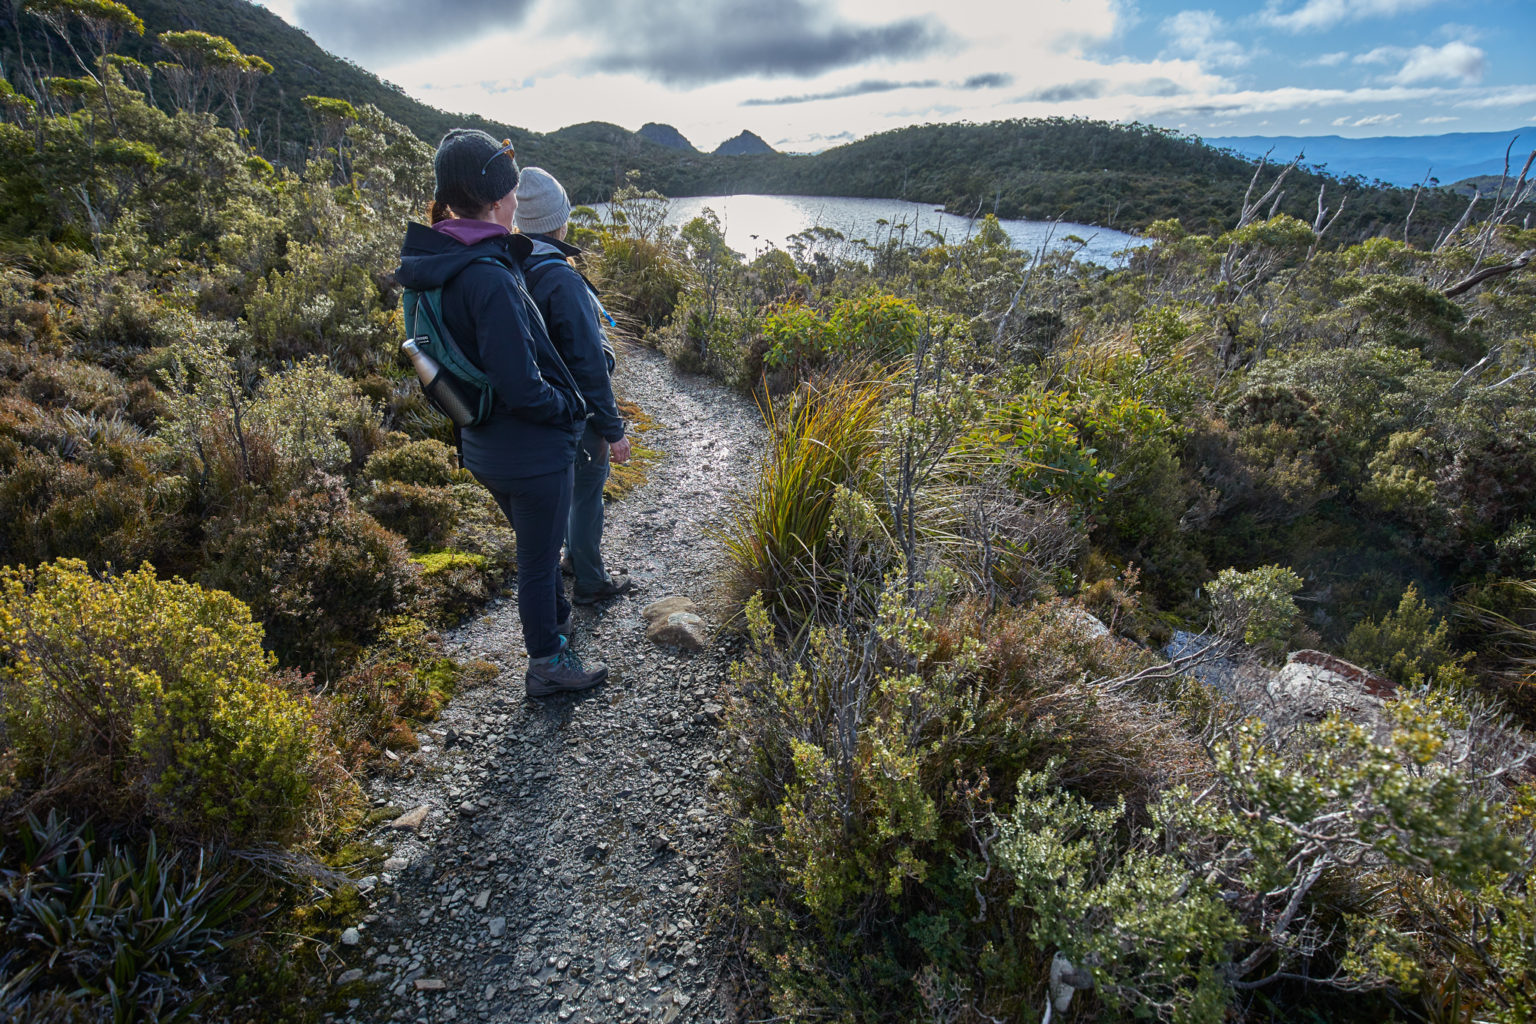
1121, 176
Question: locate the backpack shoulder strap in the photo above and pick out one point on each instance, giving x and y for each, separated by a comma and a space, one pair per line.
535, 267
533, 271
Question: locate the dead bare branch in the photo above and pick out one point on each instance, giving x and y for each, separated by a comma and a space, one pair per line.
1468, 283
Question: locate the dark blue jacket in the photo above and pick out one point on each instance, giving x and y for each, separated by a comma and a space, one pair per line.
539, 414
571, 314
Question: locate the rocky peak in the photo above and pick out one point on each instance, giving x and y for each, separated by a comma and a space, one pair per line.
745, 144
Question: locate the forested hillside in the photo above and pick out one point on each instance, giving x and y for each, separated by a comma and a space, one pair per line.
1120, 176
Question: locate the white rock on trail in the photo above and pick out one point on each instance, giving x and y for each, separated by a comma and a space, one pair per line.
656, 611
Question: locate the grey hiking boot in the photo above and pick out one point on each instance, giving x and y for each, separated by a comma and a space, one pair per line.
562, 672
609, 588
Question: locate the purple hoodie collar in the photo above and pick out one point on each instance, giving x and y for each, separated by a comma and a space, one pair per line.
470, 232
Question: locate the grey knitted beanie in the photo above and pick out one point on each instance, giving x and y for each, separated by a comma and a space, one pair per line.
542, 205
470, 174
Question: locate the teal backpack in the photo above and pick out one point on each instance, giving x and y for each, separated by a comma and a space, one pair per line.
424, 325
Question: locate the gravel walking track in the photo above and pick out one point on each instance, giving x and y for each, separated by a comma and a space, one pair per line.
558, 874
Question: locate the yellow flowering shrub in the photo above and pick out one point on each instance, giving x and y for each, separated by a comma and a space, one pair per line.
139, 700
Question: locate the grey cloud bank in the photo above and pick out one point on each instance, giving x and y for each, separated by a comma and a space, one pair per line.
686, 42
397, 28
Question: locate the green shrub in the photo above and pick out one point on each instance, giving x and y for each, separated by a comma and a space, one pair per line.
235, 440
424, 516
402, 678
137, 700
1337, 822
427, 462
121, 314
320, 575
1256, 606
875, 327
1053, 461
1409, 645
699, 341
798, 336
77, 486
1409, 314
97, 931
1154, 939
27, 318
455, 582
326, 303
68, 383
874, 754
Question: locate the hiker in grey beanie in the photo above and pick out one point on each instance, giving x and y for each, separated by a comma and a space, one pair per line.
542, 205
471, 172
573, 315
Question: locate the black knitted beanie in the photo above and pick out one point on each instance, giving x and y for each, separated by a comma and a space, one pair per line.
458, 163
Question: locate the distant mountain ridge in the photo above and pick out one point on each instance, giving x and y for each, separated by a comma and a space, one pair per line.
1402, 160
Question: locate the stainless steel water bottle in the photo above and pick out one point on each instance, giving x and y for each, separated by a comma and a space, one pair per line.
438, 385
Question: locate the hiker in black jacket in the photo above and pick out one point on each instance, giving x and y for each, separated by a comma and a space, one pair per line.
523, 454
573, 315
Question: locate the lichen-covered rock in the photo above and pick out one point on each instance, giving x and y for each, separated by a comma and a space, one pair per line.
1313, 684
657, 611
679, 629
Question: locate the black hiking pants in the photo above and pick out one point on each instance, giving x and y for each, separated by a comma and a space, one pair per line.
538, 507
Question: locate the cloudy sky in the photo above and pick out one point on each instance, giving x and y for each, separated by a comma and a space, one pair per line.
807, 74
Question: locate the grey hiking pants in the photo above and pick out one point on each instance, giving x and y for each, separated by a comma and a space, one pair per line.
584, 533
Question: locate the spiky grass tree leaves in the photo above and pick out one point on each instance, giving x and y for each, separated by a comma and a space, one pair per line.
112, 931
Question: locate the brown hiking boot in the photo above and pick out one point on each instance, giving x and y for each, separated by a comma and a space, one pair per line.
562, 672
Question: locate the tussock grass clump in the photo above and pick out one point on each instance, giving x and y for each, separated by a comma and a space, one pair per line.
822, 439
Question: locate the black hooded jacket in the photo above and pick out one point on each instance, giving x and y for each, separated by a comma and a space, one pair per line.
539, 412
571, 312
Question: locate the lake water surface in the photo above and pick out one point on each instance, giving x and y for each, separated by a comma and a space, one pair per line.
754, 223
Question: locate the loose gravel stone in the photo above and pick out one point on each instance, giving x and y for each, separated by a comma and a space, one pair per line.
412, 819
586, 823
